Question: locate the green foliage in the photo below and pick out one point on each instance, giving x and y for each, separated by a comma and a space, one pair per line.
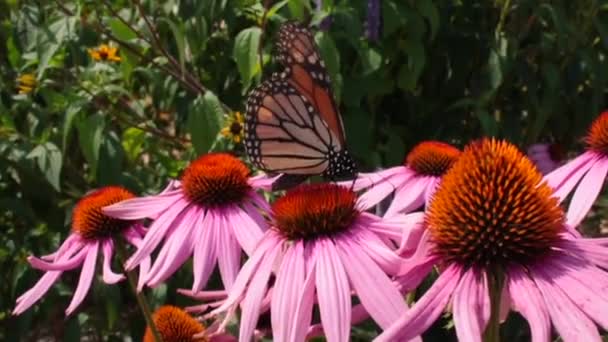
447, 70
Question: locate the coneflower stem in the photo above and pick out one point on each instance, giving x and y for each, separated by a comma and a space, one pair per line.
495, 283
141, 298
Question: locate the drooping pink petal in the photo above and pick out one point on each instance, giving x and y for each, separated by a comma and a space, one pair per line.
586, 193
467, 307
380, 190
365, 180
86, 277
66, 251
409, 196
430, 190
303, 314
528, 301
143, 207
426, 311
63, 265
385, 228
565, 178
228, 252
109, 277
569, 321
176, 250
26, 300
157, 232
589, 249
252, 301
270, 243
247, 225
286, 292
263, 182
582, 284
68, 244
259, 201
333, 293
133, 237
377, 250
205, 254
375, 290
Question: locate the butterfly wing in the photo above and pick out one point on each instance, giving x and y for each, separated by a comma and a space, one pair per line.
284, 133
305, 70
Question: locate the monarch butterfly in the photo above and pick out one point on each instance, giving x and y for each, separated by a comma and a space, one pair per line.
292, 124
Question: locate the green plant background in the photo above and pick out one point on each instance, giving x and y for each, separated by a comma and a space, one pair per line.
527, 71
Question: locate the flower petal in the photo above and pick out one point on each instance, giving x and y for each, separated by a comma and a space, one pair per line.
86, 277
205, 255
380, 190
303, 314
583, 284
333, 293
159, 228
365, 180
176, 250
467, 308
388, 261
565, 178
409, 196
143, 207
569, 321
426, 311
287, 291
228, 251
27, 299
248, 226
586, 193
109, 277
528, 301
252, 301
59, 265
373, 287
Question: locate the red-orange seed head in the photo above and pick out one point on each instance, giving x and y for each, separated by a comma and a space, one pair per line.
492, 208
174, 325
90, 222
216, 179
597, 137
314, 210
432, 158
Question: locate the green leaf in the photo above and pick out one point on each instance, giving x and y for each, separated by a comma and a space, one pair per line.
275, 8
68, 121
133, 140
410, 72
489, 126
371, 60
205, 121
180, 41
90, 136
298, 8
49, 160
111, 158
246, 54
331, 57
120, 30
429, 11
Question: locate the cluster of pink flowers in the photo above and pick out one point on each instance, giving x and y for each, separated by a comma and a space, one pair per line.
485, 220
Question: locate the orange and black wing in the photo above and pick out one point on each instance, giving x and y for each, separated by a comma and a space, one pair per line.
305, 71
284, 132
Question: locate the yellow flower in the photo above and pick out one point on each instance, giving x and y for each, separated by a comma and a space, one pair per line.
26, 83
234, 127
105, 53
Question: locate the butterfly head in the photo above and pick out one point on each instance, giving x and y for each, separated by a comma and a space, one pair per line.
341, 166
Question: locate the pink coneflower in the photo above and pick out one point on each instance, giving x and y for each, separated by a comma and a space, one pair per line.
589, 168
92, 233
323, 249
413, 183
176, 325
211, 214
493, 223
547, 157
